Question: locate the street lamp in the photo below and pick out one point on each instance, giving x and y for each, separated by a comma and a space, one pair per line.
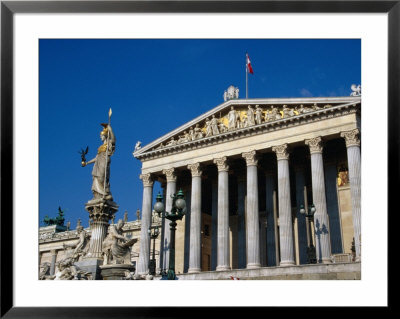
177, 213
153, 235
309, 213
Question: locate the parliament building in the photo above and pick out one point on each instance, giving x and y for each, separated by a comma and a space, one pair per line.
272, 189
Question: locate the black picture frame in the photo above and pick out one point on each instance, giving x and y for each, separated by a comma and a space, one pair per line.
9, 8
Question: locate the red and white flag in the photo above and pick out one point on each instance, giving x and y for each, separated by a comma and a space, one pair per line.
248, 64
234, 278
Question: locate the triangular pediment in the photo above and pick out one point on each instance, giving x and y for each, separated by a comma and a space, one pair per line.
238, 115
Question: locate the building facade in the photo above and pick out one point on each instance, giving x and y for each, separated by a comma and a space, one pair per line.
246, 168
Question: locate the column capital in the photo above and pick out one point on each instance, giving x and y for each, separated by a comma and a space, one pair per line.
351, 137
147, 179
281, 152
222, 164
250, 157
195, 168
170, 174
315, 144
53, 252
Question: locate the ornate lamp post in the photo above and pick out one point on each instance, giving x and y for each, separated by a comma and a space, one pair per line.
177, 213
309, 213
153, 235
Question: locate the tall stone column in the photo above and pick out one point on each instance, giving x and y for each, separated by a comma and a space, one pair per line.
214, 223
354, 162
53, 261
171, 190
161, 260
195, 220
252, 222
269, 205
242, 258
186, 220
263, 240
301, 218
100, 213
144, 256
223, 262
285, 209
321, 219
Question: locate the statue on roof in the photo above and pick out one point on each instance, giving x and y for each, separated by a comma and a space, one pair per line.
138, 146
356, 90
231, 93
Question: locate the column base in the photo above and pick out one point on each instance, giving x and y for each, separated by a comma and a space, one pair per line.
286, 263
222, 268
91, 265
253, 266
326, 261
193, 270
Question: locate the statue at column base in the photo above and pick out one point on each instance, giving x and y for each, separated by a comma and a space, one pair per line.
67, 270
117, 248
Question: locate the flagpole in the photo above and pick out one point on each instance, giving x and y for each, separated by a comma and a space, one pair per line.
247, 90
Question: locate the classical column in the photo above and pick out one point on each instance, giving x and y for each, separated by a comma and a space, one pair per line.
144, 255
161, 257
332, 204
241, 222
252, 222
301, 218
53, 261
223, 214
214, 223
285, 209
354, 162
321, 219
263, 240
171, 190
186, 220
269, 206
99, 216
195, 220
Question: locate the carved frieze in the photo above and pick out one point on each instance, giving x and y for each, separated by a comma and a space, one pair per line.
315, 145
351, 137
237, 121
281, 152
250, 157
222, 164
195, 169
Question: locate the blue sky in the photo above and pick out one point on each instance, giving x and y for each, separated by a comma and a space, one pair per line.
154, 86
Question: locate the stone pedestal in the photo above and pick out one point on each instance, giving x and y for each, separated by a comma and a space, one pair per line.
90, 265
115, 272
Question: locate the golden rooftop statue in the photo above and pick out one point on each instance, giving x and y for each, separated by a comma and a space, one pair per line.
102, 161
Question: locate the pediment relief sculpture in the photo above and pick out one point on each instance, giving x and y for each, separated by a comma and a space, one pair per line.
238, 117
